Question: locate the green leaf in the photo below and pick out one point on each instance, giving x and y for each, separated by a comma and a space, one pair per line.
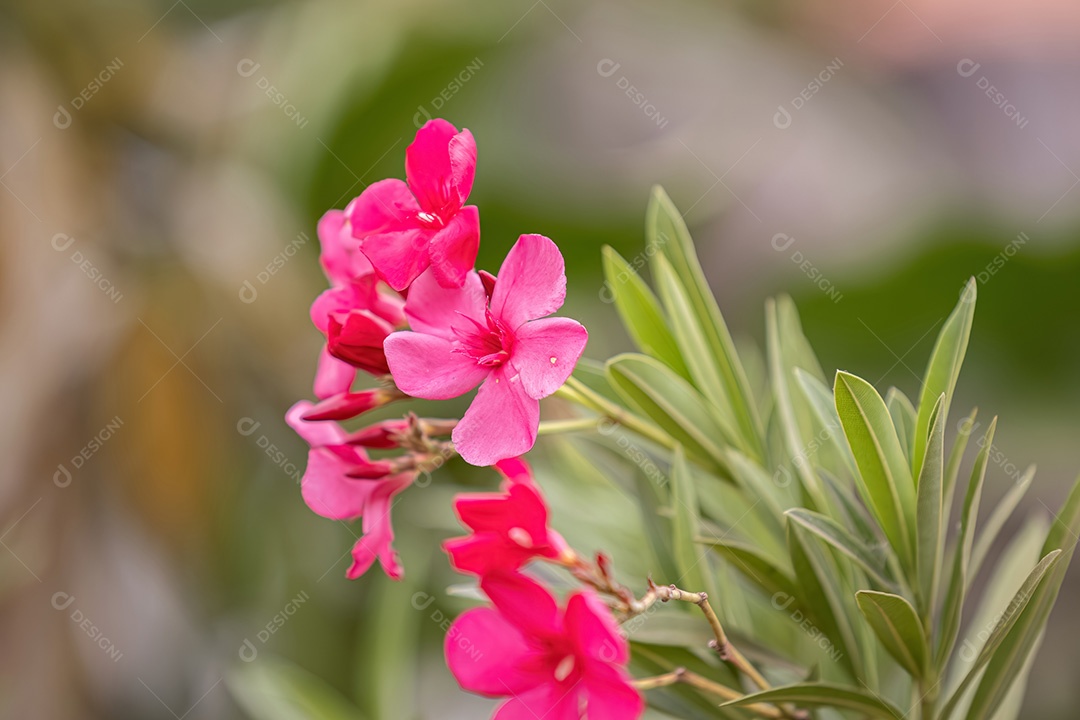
640, 311
773, 580
841, 697
1012, 655
898, 627
665, 228
821, 401
655, 391
1002, 510
884, 476
903, 416
944, 366
956, 458
1004, 624
929, 530
832, 533
694, 347
691, 563
780, 373
821, 593
274, 689
954, 599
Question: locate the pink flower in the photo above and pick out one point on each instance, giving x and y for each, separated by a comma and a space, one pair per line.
405, 228
354, 314
509, 529
460, 340
329, 491
553, 664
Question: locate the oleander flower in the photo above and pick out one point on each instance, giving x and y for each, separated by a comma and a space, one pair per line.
552, 663
507, 346
509, 529
405, 228
331, 491
354, 314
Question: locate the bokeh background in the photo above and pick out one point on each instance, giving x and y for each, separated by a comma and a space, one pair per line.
162, 167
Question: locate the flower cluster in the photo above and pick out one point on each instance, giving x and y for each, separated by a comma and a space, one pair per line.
551, 661
406, 305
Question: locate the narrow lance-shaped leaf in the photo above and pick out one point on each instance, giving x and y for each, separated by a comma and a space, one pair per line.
694, 348
1004, 624
689, 561
903, 416
820, 592
838, 537
930, 535
821, 400
665, 228
779, 373
654, 390
824, 695
884, 476
954, 598
1012, 655
898, 627
944, 366
640, 311
774, 581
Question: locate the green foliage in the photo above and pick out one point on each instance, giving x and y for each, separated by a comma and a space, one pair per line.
826, 509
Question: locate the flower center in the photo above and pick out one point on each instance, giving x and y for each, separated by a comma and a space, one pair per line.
430, 221
564, 668
520, 536
488, 343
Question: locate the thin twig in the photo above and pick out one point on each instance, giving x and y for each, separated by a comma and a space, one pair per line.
686, 677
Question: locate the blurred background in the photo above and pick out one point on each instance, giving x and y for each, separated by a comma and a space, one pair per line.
163, 165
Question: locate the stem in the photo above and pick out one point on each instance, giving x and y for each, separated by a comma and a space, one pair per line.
577, 392
721, 644
552, 427
685, 677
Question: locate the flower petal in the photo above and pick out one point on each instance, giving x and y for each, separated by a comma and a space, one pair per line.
524, 602
462, 151
333, 376
453, 249
315, 433
516, 470
349, 405
376, 543
434, 310
594, 630
531, 282
340, 254
611, 696
398, 256
327, 490
424, 366
488, 655
501, 422
357, 338
550, 701
384, 206
545, 353
428, 168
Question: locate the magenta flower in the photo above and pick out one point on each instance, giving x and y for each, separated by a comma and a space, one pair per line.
329, 491
459, 340
353, 314
509, 529
405, 228
552, 664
